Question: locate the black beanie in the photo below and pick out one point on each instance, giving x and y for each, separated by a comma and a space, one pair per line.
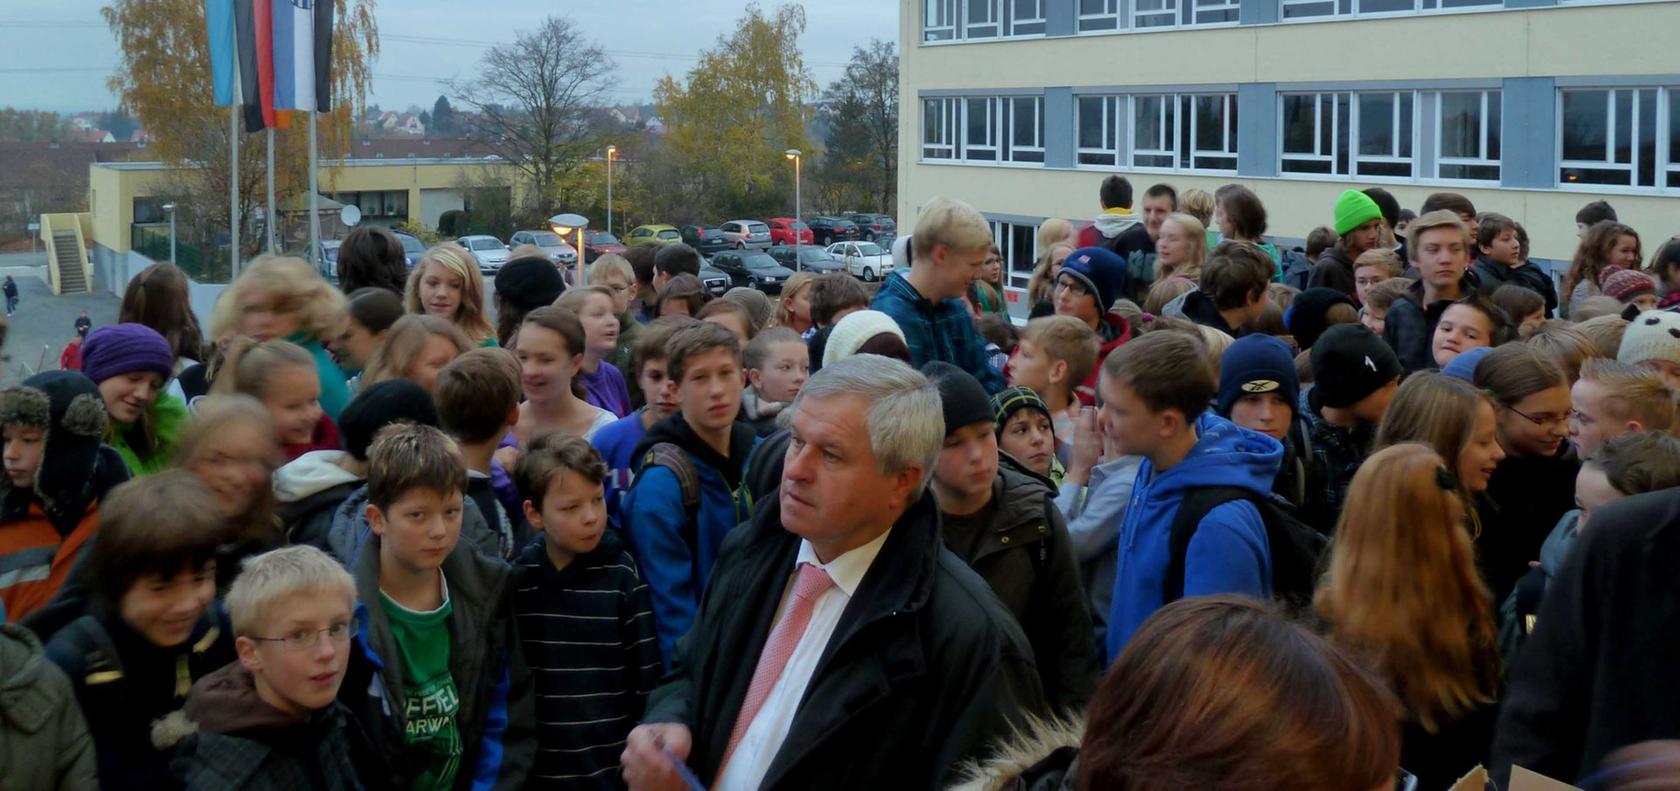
67, 405
390, 401
965, 402
529, 283
1305, 318
1349, 362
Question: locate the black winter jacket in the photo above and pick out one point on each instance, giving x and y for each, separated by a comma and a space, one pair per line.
924, 667
1493, 275
1526, 496
1334, 270
1594, 675
1410, 325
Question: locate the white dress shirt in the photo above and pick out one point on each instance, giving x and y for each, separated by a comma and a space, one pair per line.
763, 738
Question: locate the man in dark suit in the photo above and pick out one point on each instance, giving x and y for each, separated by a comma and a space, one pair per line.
839, 644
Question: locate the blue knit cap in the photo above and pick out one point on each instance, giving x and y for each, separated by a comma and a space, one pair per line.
1464, 365
1101, 271
1256, 364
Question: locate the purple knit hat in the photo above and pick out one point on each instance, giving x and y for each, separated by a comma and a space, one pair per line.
1625, 284
117, 349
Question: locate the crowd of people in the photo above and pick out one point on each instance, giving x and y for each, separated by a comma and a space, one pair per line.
1220, 514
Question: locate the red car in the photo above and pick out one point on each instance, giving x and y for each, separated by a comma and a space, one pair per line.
599, 243
782, 230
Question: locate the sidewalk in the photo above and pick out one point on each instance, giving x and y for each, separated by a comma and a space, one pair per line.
43, 323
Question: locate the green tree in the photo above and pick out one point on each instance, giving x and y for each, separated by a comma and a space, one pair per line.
31, 126
445, 121
860, 163
728, 122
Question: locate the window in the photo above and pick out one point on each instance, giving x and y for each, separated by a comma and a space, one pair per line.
1673, 168
1099, 130
980, 129
1026, 18
1154, 13
982, 19
949, 20
1019, 244
1097, 15
1214, 12
1185, 132
1026, 129
1349, 134
939, 20
1468, 145
1608, 136
939, 129
1305, 9
984, 129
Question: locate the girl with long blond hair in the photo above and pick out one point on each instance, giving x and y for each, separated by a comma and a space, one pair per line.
278, 374
1401, 592
1052, 234
446, 283
416, 348
277, 298
794, 309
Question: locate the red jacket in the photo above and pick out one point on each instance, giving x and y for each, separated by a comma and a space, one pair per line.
1122, 332
71, 358
325, 438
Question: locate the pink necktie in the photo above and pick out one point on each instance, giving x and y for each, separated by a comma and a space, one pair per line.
807, 588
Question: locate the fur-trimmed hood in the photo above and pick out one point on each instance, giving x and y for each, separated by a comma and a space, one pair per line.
1041, 757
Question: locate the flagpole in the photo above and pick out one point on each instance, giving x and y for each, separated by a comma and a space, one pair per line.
233, 190
315, 256
271, 211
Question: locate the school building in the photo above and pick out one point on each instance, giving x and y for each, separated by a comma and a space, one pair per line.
1530, 108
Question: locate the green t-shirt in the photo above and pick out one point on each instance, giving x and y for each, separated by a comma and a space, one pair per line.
430, 699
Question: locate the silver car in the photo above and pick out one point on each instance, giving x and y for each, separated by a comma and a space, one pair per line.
556, 248
487, 250
746, 234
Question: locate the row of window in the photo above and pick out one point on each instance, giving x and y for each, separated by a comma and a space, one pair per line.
953, 20
1623, 137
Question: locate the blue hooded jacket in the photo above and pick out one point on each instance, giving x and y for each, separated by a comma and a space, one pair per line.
1229, 552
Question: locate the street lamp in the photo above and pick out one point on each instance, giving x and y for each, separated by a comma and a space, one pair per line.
170, 207
793, 154
563, 224
612, 151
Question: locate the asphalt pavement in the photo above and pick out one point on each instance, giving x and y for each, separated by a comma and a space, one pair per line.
44, 322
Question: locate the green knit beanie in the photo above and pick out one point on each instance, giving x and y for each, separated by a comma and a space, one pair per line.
1354, 209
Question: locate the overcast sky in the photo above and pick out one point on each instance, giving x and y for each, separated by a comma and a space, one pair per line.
57, 54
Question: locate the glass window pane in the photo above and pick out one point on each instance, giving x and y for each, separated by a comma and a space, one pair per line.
1623, 110
1024, 122
1091, 121
1646, 143
1210, 123
1674, 128
1483, 172
1586, 123
1376, 124
1146, 127
1303, 10
1494, 113
1461, 129
1385, 6
1298, 115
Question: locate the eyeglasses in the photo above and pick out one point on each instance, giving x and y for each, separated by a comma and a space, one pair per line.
306, 639
1543, 422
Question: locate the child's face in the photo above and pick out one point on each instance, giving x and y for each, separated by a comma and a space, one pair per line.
1267, 413
1644, 302
572, 517
1625, 253
1531, 323
734, 323
1029, 367
799, 308
1460, 329
435, 353
1479, 458
163, 609
710, 390
784, 372
600, 325
1365, 277
992, 270
127, 396
1172, 244
1072, 299
623, 291
1441, 257
356, 346
1126, 421
1592, 492
659, 389
440, 291
25, 447
1670, 371
968, 461
1504, 249
298, 659
1536, 425
260, 317
1028, 437
1374, 320
235, 463
546, 367
419, 529
293, 399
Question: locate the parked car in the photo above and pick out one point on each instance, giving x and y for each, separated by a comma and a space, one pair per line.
658, 234
875, 227
806, 259
327, 261
708, 239
787, 230
753, 269
863, 259
599, 243
413, 248
487, 250
743, 234
828, 230
556, 248
716, 282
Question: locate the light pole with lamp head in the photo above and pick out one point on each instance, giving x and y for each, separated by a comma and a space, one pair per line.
170, 207
612, 151
563, 224
798, 240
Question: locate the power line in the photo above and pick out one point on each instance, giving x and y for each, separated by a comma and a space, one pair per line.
617, 53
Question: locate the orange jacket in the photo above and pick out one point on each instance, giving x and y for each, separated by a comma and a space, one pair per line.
35, 559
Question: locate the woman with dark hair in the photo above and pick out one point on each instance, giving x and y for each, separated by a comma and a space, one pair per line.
371, 256
1607, 247
1242, 218
1665, 266
1276, 708
158, 298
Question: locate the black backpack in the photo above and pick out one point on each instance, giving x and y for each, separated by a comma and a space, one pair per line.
1296, 549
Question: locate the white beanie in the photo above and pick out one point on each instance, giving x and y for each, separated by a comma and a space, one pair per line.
1654, 335
854, 331
901, 253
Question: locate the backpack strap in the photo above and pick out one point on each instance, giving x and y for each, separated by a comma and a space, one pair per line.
675, 459
103, 663
1195, 506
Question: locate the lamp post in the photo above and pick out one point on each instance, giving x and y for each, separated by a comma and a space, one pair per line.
563, 224
612, 151
793, 154
170, 207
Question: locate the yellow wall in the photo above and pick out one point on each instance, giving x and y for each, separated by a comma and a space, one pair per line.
111, 194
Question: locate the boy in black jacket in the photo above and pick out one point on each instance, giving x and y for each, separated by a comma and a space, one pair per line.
585, 621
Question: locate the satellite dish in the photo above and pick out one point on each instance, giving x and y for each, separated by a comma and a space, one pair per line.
350, 215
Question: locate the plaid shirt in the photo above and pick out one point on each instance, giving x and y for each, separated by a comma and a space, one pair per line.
941, 331
1336, 455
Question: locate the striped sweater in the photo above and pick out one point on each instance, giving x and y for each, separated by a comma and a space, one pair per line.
587, 632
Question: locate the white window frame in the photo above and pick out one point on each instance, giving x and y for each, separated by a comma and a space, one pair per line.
1014, 24
1351, 9
1318, 154
1034, 153
1188, 132
1166, 127
1397, 134
1169, 11
1661, 167
1001, 19
1344, 110
1105, 21
1112, 110
1488, 132
946, 113
1016, 274
1668, 169
1176, 127
1199, 8
978, 30
994, 125
931, 30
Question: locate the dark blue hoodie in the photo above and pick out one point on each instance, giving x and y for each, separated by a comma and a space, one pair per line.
1228, 554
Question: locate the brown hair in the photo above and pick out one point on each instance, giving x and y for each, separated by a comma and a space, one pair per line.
686, 288
376, 309
1605, 333
1516, 371
1633, 392
562, 322
1052, 233
1282, 295
1490, 225
1431, 221
158, 298
1320, 239
1382, 295
409, 456
1167, 370
1237, 273
1448, 201
1497, 320
834, 292
555, 453
160, 524
719, 307
476, 392
1433, 643
1276, 707
248, 366
1164, 291
1381, 258
211, 417
1437, 410
1243, 209
1639, 462
1594, 306
651, 340
1566, 344
371, 257
402, 346
1592, 256
640, 257
1068, 340
1517, 301
695, 339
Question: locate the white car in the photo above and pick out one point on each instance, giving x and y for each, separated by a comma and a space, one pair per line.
863, 259
558, 251
487, 250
